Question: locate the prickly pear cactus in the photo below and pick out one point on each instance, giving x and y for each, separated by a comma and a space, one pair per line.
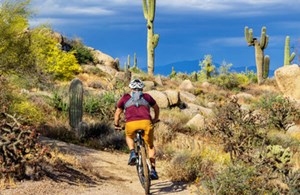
278, 156
75, 103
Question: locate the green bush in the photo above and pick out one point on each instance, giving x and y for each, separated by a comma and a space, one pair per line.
230, 81
91, 104
30, 113
241, 130
59, 102
281, 112
187, 166
236, 180
82, 53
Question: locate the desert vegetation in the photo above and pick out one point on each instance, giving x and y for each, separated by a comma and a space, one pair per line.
242, 147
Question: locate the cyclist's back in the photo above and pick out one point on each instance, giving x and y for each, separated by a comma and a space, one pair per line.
137, 116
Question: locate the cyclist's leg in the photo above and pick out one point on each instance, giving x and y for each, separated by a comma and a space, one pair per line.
130, 134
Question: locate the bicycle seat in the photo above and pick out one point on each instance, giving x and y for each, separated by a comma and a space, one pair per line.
141, 131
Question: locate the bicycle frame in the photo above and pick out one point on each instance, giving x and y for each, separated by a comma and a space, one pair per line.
143, 165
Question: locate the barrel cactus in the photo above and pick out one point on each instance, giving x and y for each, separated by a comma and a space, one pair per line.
75, 103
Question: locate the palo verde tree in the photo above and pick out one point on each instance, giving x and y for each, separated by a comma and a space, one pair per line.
207, 66
262, 61
14, 37
152, 39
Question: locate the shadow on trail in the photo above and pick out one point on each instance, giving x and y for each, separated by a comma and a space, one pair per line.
68, 174
166, 187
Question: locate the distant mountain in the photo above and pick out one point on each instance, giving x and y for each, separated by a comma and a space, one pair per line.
189, 66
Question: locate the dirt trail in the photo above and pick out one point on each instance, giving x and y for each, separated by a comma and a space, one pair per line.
114, 177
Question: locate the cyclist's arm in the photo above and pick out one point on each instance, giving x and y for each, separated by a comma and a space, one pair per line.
117, 116
156, 113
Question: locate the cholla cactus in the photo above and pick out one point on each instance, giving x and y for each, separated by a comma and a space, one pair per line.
76, 103
19, 148
278, 156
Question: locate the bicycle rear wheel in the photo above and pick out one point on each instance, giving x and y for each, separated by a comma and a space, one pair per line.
143, 170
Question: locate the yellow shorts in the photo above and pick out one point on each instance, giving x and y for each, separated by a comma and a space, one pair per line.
131, 127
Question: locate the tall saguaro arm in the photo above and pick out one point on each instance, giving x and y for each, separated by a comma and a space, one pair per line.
152, 39
262, 62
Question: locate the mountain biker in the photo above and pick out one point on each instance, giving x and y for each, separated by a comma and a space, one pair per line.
136, 107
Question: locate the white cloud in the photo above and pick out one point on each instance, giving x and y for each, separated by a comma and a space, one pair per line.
227, 41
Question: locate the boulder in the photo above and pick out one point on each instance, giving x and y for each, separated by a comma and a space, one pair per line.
187, 97
107, 69
104, 59
288, 80
158, 80
187, 85
294, 131
160, 98
193, 109
149, 85
173, 97
243, 97
197, 122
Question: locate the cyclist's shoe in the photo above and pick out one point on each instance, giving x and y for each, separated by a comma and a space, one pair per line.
132, 158
153, 174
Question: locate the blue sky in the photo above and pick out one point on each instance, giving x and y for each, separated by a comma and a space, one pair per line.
189, 29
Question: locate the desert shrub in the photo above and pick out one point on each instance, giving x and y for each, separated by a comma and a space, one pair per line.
184, 166
241, 130
293, 182
107, 106
236, 179
163, 134
6, 95
229, 81
91, 104
20, 148
102, 136
59, 102
30, 113
59, 132
175, 120
82, 53
281, 112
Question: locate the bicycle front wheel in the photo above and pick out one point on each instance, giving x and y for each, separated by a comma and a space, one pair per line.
143, 170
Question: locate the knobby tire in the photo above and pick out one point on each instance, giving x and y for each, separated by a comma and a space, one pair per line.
144, 176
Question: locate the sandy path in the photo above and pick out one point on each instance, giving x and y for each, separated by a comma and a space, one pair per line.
115, 177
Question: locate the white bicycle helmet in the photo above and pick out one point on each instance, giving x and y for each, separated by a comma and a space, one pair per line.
136, 84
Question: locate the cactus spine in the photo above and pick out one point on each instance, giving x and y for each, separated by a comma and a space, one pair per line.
76, 103
261, 68
152, 39
288, 58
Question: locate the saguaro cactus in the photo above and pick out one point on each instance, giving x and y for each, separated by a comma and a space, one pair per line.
262, 62
128, 61
288, 58
152, 39
134, 61
75, 103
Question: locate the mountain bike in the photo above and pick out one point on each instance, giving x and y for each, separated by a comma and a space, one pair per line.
143, 165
